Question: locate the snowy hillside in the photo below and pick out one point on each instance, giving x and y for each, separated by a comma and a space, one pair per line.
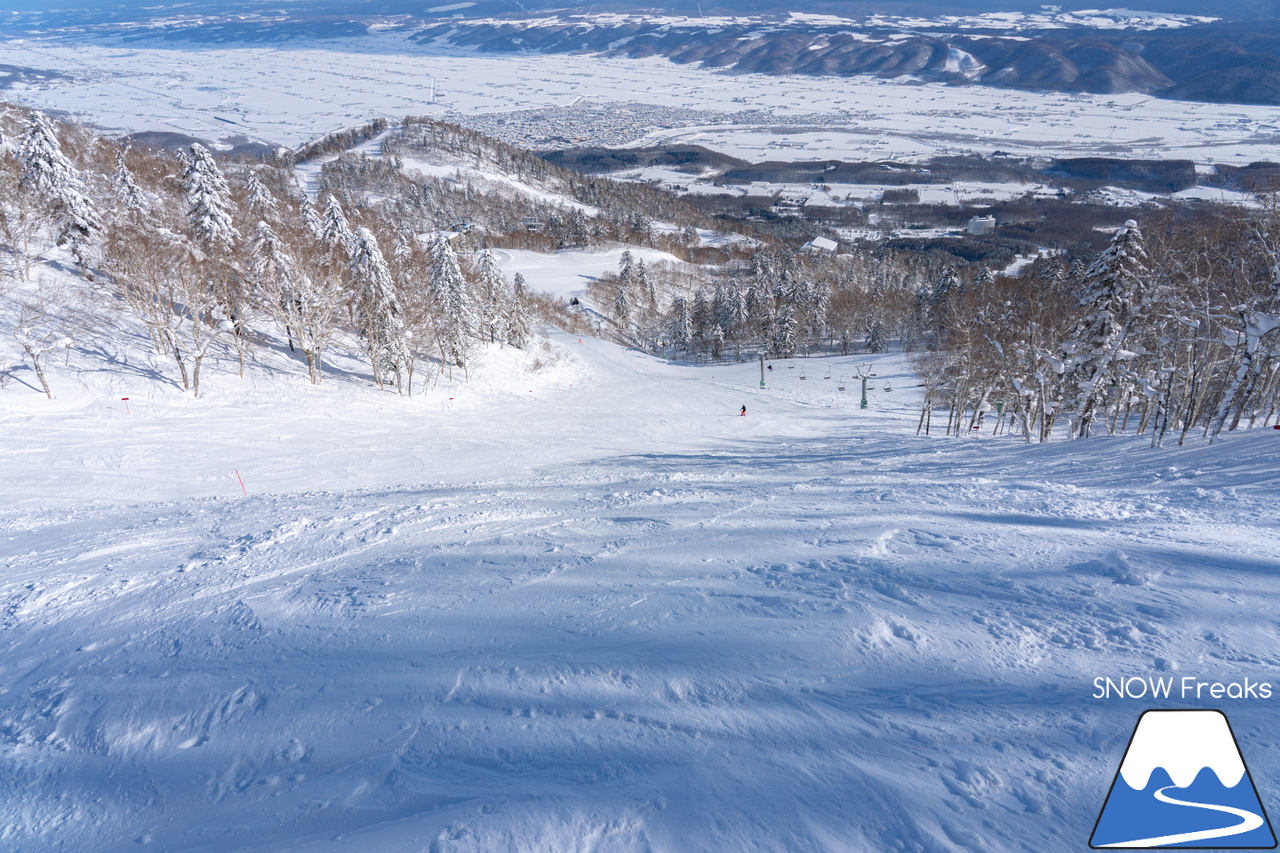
579, 603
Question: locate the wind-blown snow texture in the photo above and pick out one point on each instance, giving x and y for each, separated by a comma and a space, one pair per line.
592, 608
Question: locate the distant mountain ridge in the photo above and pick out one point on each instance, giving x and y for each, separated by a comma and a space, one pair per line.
1219, 62
1180, 53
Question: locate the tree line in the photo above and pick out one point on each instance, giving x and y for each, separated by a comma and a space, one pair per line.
1170, 330
207, 254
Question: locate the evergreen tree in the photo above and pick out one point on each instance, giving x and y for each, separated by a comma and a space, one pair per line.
1093, 354
644, 285
681, 324
494, 298
129, 197
208, 202
377, 307
784, 331
457, 312
259, 198
518, 324
701, 317
626, 267
46, 173
875, 336
273, 277
266, 259
622, 302
335, 231
310, 219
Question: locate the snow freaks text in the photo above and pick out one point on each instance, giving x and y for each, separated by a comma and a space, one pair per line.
1185, 687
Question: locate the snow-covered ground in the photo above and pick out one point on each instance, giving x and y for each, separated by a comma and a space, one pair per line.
568, 273
579, 603
290, 93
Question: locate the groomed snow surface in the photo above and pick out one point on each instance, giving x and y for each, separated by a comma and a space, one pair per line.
579, 603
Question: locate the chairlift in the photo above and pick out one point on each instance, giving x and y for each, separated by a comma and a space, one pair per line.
840, 387
802, 376
888, 387
828, 376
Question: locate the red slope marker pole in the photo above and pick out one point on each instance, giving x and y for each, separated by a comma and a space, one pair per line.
126, 404
242, 488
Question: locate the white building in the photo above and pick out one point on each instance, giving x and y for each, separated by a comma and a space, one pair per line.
980, 225
820, 244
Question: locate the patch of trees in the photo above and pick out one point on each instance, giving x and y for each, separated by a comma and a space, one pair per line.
209, 255
1154, 176
1171, 331
684, 158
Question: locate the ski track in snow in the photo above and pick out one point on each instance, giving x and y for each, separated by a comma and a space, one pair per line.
615, 617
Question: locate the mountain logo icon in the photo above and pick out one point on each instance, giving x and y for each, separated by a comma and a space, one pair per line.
1183, 784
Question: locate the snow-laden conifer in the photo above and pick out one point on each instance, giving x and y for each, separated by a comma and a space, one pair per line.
644, 285
494, 297
129, 195
1112, 283
208, 202
259, 198
335, 231
681, 331
377, 307
453, 297
267, 261
518, 322
784, 330
622, 301
46, 173
310, 218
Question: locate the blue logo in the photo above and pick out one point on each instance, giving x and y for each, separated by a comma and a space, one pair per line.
1183, 784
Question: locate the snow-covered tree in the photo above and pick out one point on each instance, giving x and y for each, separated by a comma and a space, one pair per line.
310, 219
209, 202
624, 290
518, 324
494, 297
335, 230
1095, 350
875, 341
626, 267
622, 302
377, 307
47, 174
259, 198
129, 197
681, 331
784, 331
644, 285
456, 309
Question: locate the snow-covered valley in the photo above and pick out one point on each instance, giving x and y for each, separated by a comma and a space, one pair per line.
590, 607
288, 93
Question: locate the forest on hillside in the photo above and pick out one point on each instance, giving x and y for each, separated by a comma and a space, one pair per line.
381, 239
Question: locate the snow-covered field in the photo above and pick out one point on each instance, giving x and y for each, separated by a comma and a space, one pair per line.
588, 606
290, 93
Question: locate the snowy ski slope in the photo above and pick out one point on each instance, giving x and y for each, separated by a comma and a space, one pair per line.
589, 607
